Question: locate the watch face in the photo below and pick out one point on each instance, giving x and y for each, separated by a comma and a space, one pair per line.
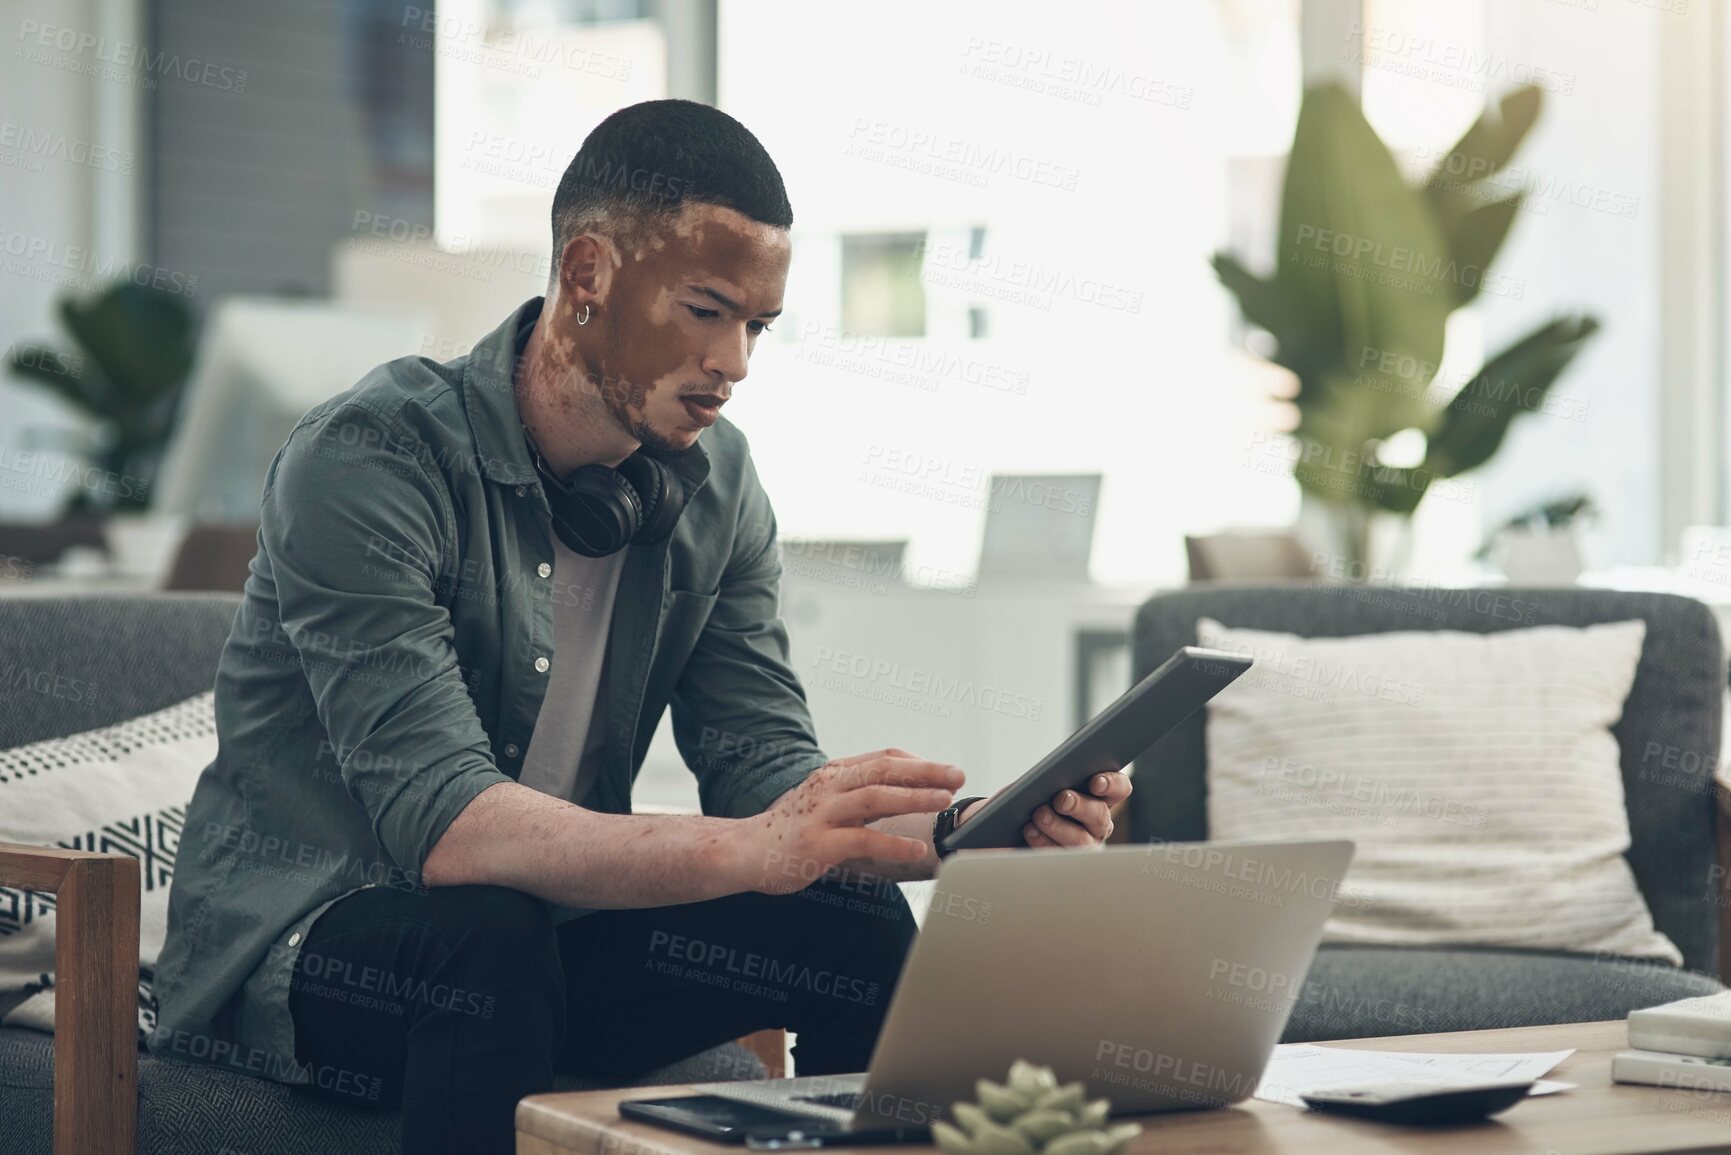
944, 825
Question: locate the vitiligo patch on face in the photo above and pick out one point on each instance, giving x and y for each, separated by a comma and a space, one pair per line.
649, 348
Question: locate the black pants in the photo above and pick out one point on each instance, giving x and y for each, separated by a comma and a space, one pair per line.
455, 1002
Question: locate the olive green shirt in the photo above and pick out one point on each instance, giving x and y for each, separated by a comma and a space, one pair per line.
390, 657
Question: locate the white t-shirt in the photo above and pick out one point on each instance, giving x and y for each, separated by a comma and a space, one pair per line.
570, 731
565, 750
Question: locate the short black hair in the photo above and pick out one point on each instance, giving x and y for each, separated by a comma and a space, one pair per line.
650, 159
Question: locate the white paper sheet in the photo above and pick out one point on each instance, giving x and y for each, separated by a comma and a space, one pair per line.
1300, 1068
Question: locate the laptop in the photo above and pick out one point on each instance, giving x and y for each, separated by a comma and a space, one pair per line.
1159, 975
1039, 527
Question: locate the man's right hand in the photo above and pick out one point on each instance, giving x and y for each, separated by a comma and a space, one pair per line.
821, 823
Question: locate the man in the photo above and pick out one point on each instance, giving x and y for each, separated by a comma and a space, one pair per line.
411, 877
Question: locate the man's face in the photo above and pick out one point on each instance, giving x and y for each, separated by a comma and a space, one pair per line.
678, 320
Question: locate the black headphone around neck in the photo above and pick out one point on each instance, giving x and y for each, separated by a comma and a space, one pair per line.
599, 511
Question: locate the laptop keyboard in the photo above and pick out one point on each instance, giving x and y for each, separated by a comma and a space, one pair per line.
846, 1100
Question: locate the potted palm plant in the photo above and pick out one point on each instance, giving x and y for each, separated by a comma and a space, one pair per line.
131, 351
1368, 268
133, 347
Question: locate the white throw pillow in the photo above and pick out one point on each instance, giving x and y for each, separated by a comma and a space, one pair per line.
1476, 772
122, 789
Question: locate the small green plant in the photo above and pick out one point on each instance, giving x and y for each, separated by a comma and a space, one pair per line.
1557, 514
1030, 1114
133, 348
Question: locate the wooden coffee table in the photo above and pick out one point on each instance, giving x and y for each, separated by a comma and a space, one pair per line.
1596, 1118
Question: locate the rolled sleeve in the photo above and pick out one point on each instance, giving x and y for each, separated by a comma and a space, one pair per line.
740, 717
355, 527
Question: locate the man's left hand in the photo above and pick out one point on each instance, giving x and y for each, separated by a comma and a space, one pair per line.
1072, 818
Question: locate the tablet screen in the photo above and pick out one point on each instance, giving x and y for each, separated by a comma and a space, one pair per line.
1114, 738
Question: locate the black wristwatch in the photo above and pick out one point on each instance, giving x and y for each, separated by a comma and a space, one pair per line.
945, 823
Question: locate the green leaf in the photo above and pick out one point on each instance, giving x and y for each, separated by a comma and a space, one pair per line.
1352, 409
999, 1101
59, 373
1040, 1126
1470, 429
1359, 250
970, 1116
1457, 188
1094, 1113
1031, 1079
1474, 238
1117, 1136
1068, 1097
1517, 380
1489, 145
1262, 304
999, 1140
1346, 415
140, 338
1394, 489
1081, 1143
950, 1140
1381, 487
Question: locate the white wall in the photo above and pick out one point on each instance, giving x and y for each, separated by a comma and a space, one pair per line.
1598, 142
71, 147
859, 110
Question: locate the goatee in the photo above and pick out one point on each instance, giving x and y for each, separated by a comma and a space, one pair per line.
650, 442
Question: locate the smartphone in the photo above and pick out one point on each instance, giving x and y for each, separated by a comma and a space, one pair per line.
720, 1120
801, 1137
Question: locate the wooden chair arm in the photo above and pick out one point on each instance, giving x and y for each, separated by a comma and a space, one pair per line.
95, 991
770, 1047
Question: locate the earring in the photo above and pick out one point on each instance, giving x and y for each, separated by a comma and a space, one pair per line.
584, 319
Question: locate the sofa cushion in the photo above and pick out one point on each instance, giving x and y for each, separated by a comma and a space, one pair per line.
1356, 992
1476, 774
1668, 736
79, 661
189, 1109
121, 789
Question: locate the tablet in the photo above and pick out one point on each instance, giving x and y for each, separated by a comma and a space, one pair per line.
1117, 735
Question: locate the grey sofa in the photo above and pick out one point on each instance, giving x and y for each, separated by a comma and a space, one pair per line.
1669, 737
139, 653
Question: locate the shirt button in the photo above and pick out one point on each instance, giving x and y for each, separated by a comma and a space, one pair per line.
510, 749
541, 665
295, 938
521, 491
544, 570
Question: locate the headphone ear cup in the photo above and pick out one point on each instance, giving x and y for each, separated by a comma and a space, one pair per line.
662, 493
596, 511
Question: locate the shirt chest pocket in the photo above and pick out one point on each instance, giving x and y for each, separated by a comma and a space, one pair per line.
683, 616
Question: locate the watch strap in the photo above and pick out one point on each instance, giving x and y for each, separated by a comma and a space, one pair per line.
946, 820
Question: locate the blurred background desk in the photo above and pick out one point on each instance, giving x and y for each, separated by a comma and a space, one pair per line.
988, 678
